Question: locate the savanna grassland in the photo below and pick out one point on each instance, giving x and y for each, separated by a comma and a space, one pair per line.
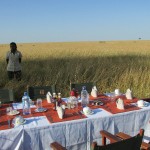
111, 64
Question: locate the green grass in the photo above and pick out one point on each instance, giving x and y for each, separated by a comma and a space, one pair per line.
117, 64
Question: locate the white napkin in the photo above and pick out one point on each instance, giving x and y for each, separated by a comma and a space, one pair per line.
94, 91
117, 92
120, 103
60, 111
49, 97
128, 94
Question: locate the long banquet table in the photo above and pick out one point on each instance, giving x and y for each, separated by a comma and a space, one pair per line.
78, 134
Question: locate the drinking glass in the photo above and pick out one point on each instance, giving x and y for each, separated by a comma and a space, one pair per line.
69, 102
75, 103
69, 105
112, 97
39, 103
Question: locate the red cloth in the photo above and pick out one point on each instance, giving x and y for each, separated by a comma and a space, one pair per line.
70, 114
111, 106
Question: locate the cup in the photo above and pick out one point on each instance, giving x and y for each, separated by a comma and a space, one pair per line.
140, 103
18, 120
75, 104
112, 96
8, 110
86, 110
39, 103
70, 103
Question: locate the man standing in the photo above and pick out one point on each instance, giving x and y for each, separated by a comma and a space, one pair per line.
13, 59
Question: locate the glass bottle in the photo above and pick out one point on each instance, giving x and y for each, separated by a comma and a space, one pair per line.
59, 99
84, 97
55, 101
26, 104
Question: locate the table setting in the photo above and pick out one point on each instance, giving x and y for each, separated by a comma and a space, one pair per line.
71, 107
67, 123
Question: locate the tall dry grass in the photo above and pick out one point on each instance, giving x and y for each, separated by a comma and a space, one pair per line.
111, 64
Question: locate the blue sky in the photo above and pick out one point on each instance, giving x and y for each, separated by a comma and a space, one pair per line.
27, 21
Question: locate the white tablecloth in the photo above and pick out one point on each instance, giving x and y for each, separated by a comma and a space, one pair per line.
19, 106
74, 135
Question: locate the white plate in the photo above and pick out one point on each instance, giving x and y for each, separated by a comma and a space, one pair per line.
92, 112
40, 110
13, 113
21, 123
146, 104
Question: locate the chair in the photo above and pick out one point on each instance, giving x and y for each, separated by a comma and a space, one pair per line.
122, 141
6, 95
57, 146
116, 142
144, 146
78, 86
40, 91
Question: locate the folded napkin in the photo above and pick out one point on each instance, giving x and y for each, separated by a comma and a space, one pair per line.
61, 111
94, 91
120, 103
49, 97
128, 94
117, 92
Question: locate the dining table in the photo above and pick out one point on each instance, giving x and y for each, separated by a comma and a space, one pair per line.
76, 131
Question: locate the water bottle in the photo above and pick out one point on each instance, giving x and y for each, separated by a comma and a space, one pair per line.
59, 99
84, 97
26, 104
55, 101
